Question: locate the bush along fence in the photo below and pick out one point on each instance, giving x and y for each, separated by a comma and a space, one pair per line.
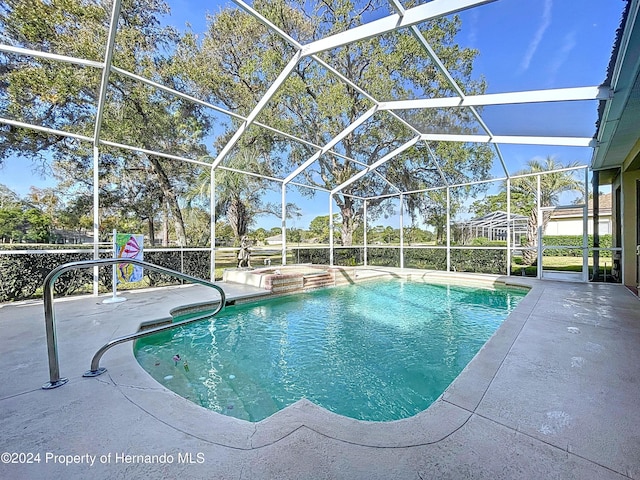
477, 260
574, 240
22, 274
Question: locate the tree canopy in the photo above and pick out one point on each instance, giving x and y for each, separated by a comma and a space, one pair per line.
231, 66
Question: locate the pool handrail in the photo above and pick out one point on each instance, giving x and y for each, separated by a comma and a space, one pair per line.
49, 314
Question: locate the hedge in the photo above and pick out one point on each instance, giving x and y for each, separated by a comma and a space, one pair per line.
575, 240
426, 258
464, 260
479, 260
22, 275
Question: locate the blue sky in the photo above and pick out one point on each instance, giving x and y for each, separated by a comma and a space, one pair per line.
523, 45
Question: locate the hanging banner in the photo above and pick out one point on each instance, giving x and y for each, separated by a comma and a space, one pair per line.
128, 245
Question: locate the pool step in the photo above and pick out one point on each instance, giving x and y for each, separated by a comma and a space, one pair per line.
289, 283
317, 280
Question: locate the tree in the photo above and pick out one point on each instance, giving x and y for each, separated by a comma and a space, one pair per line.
260, 235
11, 224
19, 222
552, 185
38, 226
238, 196
319, 228
64, 96
520, 203
239, 59
8, 198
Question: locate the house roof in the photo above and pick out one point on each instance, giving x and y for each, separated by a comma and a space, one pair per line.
604, 208
618, 136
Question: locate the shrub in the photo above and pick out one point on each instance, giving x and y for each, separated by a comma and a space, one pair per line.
426, 258
22, 275
575, 240
479, 261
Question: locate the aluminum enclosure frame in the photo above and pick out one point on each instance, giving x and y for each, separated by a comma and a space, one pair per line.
404, 19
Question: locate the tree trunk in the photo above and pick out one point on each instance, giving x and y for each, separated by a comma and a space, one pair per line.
152, 231
165, 227
237, 217
530, 257
347, 229
348, 222
171, 199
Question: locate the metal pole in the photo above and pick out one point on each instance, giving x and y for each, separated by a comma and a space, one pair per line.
596, 223
114, 274
585, 226
284, 223
448, 231
365, 233
539, 228
212, 222
401, 231
331, 230
508, 226
96, 216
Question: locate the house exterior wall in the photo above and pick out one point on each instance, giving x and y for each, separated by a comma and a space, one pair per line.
573, 226
629, 214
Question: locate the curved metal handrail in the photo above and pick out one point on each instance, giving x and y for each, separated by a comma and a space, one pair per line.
49, 314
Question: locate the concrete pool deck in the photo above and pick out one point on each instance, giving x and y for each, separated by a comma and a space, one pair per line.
555, 393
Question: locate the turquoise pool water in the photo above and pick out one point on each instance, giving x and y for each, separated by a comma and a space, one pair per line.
375, 351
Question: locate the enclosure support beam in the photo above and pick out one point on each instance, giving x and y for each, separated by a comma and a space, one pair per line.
596, 223
377, 163
104, 81
365, 232
284, 223
539, 227
509, 98
448, 229
102, 95
212, 222
258, 108
96, 217
585, 226
401, 230
412, 16
508, 184
511, 139
332, 143
331, 229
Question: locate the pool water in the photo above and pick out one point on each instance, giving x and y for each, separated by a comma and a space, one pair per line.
376, 351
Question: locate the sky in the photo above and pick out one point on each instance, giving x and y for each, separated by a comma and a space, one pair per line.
538, 44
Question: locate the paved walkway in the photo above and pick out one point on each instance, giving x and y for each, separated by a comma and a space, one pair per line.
554, 394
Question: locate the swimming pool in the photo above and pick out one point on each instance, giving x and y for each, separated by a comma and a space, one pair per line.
375, 351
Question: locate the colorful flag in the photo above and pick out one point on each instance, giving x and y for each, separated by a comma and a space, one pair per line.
129, 246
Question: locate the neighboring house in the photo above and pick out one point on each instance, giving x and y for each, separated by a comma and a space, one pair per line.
568, 221
70, 237
274, 240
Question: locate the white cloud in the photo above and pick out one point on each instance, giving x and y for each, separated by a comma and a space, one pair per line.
537, 38
568, 43
473, 27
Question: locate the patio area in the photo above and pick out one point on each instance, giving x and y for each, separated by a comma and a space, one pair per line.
553, 394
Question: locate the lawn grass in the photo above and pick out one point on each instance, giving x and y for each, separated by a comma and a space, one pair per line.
559, 263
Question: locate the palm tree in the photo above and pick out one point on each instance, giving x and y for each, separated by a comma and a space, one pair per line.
238, 196
552, 185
